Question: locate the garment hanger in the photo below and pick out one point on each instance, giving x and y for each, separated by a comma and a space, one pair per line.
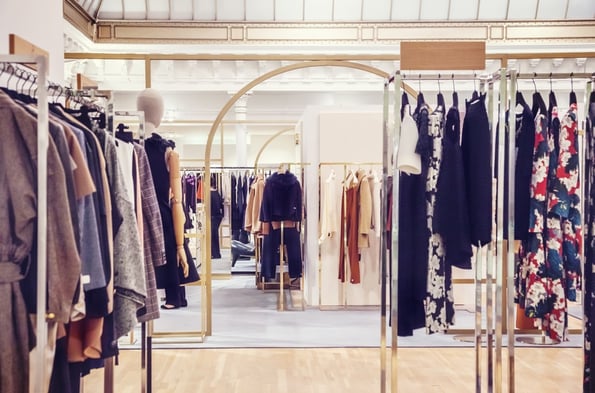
553, 102
520, 100
420, 97
475, 94
441, 102
455, 95
572, 99
538, 106
123, 135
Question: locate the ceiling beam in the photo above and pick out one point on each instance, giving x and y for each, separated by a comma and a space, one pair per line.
96, 16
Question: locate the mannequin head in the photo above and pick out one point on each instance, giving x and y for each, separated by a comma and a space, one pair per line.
151, 102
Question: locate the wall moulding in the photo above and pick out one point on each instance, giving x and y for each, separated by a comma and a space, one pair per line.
494, 32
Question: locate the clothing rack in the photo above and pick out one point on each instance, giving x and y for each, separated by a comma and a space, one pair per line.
286, 166
146, 343
390, 145
507, 90
345, 166
41, 62
42, 91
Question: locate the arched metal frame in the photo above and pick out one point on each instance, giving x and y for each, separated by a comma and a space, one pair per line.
219, 119
268, 142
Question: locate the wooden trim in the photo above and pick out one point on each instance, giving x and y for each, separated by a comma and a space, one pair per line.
20, 46
83, 82
443, 55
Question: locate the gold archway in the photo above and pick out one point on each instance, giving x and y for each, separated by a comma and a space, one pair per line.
213, 131
268, 142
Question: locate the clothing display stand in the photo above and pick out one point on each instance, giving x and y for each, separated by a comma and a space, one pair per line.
38, 356
542, 339
281, 306
344, 301
146, 343
391, 143
281, 298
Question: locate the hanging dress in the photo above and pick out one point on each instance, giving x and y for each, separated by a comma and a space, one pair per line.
439, 304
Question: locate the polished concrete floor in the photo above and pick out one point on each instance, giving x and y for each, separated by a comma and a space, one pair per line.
245, 317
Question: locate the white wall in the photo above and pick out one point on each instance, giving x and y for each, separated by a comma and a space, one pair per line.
338, 134
39, 22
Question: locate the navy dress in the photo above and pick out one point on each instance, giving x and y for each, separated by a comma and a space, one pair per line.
168, 275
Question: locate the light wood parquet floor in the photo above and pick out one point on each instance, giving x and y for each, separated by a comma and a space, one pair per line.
335, 370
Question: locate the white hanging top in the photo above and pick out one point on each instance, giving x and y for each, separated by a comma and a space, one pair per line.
408, 160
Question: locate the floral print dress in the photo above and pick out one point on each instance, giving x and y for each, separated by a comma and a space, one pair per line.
553, 246
589, 284
439, 302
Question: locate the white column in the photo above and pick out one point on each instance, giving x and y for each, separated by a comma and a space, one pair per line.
241, 109
39, 22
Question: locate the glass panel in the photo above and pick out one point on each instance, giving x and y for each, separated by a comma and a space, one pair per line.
580, 9
111, 9
318, 10
463, 10
434, 10
376, 10
158, 9
406, 10
230, 10
181, 10
348, 10
522, 10
289, 10
551, 9
492, 9
205, 10
260, 10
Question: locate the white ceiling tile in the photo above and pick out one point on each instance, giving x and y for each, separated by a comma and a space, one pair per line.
205, 10
347, 10
158, 9
376, 10
406, 9
111, 9
230, 10
318, 10
434, 10
289, 10
181, 10
260, 10
463, 9
522, 10
492, 9
580, 9
551, 9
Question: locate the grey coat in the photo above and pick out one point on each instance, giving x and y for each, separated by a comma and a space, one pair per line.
18, 211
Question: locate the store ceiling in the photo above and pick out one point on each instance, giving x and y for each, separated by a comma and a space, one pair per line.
337, 10
198, 89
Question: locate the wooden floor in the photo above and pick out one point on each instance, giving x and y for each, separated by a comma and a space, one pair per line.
340, 370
